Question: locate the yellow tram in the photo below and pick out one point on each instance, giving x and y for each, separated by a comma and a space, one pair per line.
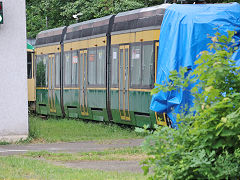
31, 77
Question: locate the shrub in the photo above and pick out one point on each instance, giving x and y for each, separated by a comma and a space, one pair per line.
206, 145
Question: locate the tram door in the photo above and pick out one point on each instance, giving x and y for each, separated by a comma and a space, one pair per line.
83, 83
51, 83
123, 83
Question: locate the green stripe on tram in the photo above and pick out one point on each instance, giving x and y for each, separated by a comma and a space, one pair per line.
30, 47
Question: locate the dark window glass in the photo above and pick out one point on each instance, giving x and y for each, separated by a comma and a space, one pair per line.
29, 65
41, 74
81, 69
68, 68
135, 65
101, 58
121, 69
92, 66
45, 62
114, 66
147, 65
75, 68
57, 61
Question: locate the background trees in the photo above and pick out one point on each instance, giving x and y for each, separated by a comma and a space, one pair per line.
48, 14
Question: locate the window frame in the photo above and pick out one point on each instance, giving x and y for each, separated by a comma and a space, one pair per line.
104, 67
77, 54
88, 53
111, 59
55, 64
30, 63
141, 86
150, 86
130, 64
46, 69
64, 70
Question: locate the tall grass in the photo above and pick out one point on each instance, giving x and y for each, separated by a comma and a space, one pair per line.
65, 130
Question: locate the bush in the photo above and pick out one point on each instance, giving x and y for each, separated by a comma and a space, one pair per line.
206, 145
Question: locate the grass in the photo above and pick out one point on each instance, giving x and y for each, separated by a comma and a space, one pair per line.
123, 154
40, 165
23, 168
4, 143
64, 130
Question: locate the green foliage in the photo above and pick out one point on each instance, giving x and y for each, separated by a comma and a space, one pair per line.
206, 145
48, 14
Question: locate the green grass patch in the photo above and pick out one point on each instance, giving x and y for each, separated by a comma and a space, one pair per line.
4, 143
23, 168
65, 130
123, 154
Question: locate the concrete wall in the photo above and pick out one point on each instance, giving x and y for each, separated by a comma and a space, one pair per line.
13, 72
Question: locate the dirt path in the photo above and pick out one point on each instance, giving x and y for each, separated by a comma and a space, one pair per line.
120, 166
85, 146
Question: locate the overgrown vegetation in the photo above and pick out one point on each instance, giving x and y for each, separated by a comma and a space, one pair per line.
70, 130
22, 168
206, 144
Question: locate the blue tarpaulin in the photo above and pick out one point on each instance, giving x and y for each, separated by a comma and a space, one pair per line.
183, 35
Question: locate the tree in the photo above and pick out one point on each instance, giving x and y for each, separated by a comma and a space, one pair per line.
47, 14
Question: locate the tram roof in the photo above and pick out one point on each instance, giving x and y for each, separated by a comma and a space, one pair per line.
134, 19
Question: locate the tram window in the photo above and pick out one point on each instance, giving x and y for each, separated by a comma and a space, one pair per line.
135, 65
81, 68
75, 68
41, 79
101, 66
147, 65
92, 66
57, 60
29, 65
45, 62
114, 66
68, 68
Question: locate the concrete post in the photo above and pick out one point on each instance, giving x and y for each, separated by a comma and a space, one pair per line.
13, 72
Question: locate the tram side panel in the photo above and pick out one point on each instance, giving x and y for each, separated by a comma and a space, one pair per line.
132, 77
84, 77
96, 91
48, 80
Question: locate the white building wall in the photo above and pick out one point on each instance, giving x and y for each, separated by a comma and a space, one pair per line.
13, 72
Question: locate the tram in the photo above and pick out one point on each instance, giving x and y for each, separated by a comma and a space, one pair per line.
102, 69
